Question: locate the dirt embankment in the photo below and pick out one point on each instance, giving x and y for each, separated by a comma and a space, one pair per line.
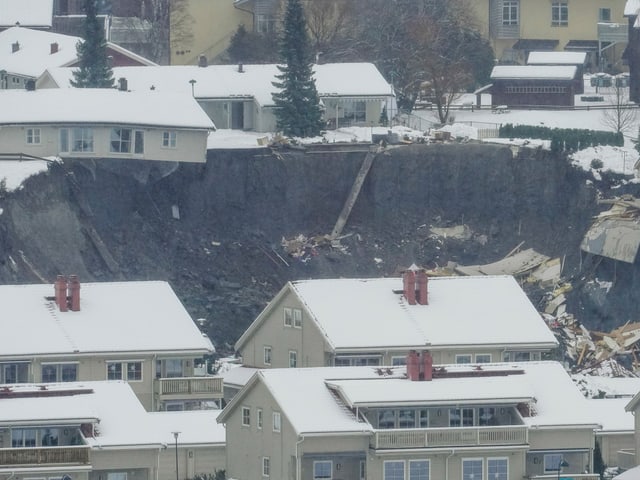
214, 231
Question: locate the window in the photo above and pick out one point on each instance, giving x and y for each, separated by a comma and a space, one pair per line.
406, 419
552, 462
265, 23
510, 12
522, 356
461, 417
277, 421
559, 14
483, 358
76, 140
472, 469
259, 418
169, 139
59, 372
117, 476
486, 416
398, 361
386, 419
130, 371
50, 437
293, 359
123, 139
23, 437
246, 417
266, 466
288, 317
292, 317
604, 15
498, 468
363, 470
350, 361
14, 372
267, 355
297, 318
393, 470
322, 469
33, 136
466, 358
418, 469
423, 418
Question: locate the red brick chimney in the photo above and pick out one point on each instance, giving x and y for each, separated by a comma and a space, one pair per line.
409, 286
54, 47
422, 293
60, 288
74, 293
413, 366
427, 366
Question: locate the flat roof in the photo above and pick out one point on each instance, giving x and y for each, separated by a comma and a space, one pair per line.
556, 58
534, 72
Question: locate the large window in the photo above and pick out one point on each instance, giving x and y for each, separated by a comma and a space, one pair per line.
559, 14
352, 361
59, 372
129, 371
23, 437
14, 372
497, 468
461, 417
472, 469
126, 140
33, 136
510, 12
418, 469
76, 140
394, 470
322, 470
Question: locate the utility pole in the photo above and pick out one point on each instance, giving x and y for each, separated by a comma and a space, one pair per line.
175, 436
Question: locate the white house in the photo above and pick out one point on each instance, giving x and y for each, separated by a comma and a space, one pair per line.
134, 331
241, 96
376, 321
103, 123
99, 430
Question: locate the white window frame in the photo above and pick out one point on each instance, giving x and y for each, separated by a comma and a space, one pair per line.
464, 356
59, 366
134, 145
276, 420
259, 418
324, 463
553, 466
33, 136
485, 414
76, 140
288, 316
169, 139
474, 462
397, 463
266, 467
509, 7
124, 370
483, 358
419, 477
293, 359
246, 416
460, 412
494, 472
560, 14
267, 353
602, 15
297, 318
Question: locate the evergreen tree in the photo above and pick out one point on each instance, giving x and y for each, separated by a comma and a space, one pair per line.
298, 105
94, 70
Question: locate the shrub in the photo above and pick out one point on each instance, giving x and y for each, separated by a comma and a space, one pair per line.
563, 139
596, 164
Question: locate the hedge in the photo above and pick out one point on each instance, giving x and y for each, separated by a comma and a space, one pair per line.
563, 139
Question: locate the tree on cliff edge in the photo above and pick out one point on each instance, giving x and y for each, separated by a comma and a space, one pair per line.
94, 70
297, 103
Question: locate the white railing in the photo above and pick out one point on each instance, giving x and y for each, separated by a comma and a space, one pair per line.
566, 476
451, 437
191, 386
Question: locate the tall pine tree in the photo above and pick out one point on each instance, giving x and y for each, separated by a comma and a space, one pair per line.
298, 105
94, 70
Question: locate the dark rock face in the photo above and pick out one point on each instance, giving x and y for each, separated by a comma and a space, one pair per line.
214, 230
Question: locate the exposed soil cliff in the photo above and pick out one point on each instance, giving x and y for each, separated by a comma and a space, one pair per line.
214, 231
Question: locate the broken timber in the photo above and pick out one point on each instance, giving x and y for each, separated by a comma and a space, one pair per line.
355, 191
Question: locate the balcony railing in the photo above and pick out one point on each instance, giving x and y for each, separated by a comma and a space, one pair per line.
566, 476
451, 437
45, 456
626, 459
192, 386
613, 32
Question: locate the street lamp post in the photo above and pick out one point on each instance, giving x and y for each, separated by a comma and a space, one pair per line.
563, 463
175, 436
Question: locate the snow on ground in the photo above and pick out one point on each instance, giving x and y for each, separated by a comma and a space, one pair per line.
14, 172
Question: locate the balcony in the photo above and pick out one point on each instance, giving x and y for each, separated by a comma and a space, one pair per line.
194, 387
44, 456
450, 437
567, 476
613, 32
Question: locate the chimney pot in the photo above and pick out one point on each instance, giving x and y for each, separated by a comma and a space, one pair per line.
74, 291
54, 47
409, 286
240, 68
123, 84
15, 47
60, 288
422, 293
202, 61
413, 366
427, 366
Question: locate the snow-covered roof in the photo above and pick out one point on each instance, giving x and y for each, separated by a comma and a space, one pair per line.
29, 13
557, 58
305, 395
254, 81
114, 317
102, 106
372, 313
122, 418
534, 72
611, 415
33, 55
238, 376
631, 7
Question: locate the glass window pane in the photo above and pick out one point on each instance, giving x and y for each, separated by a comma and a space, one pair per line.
497, 468
49, 373
69, 372
114, 371
139, 142
419, 470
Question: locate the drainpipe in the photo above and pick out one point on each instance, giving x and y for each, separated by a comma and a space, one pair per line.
298, 463
446, 464
154, 379
250, 12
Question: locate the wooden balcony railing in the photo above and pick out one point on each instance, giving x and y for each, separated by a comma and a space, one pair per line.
450, 437
70, 455
200, 387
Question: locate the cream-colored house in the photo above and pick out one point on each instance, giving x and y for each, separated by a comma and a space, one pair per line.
377, 321
241, 96
517, 27
100, 431
134, 331
490, 422
103, 123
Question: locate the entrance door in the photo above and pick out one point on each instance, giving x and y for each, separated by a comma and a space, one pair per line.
237, 115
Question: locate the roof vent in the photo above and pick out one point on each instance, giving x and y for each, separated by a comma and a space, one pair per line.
240, 68
54, 48
122, 84
15, 47
202, 61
